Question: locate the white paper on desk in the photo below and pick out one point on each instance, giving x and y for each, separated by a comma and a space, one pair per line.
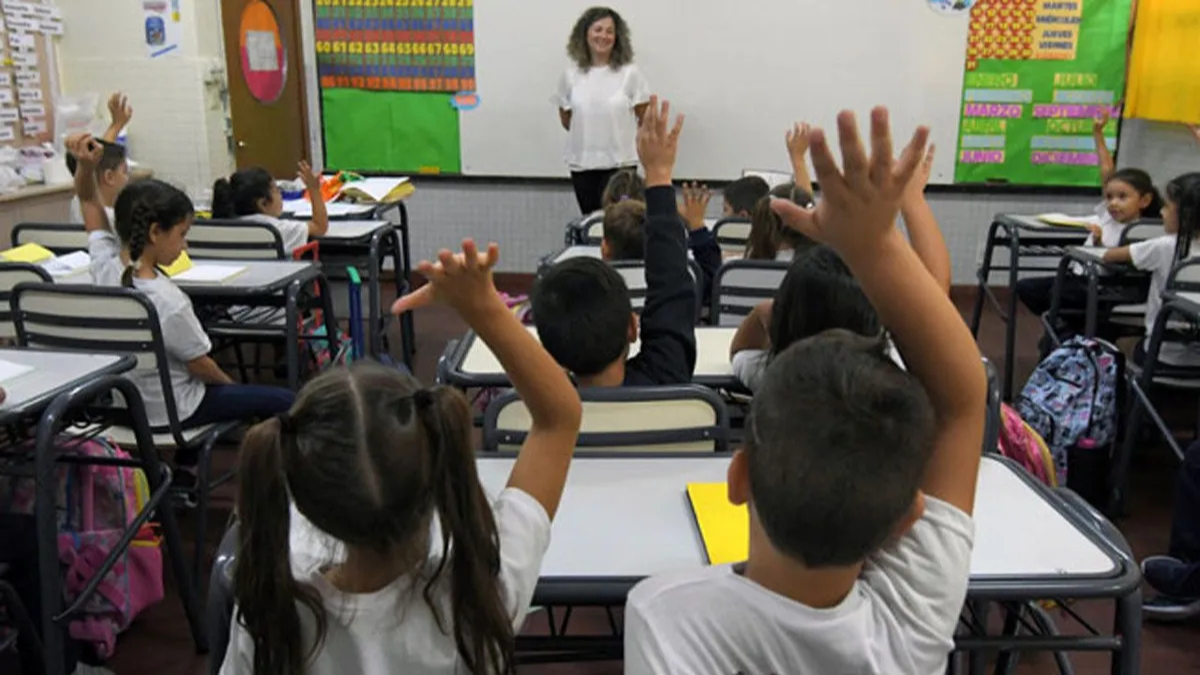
379, 187
1064, 219
10, 370
302, 208
67, 265
209, 274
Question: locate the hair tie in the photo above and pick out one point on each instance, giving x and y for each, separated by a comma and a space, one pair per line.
422, 398
624, 198
286, 424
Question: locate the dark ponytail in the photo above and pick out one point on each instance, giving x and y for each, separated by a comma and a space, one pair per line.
1184, 193
140, 206
263, 584
483, 628
241, 193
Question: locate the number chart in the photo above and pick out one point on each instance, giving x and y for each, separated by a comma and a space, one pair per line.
396, 45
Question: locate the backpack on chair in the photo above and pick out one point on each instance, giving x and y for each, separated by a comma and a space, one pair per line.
1070, 399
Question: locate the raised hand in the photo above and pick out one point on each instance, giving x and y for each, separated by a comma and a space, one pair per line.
694, 205
920, 179
1195, 129
798, 140
310, 178
657, 143
87, 150
460, 280
859, 202
119, 110
1100, 121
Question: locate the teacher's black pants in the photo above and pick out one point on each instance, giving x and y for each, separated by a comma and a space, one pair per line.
589, 188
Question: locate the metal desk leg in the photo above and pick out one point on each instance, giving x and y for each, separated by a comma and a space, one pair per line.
983, 274
407, 326
291, 320
327, 313
1128, 624
374, 339
1051, 324
50, 587
1010, 326
1093, 300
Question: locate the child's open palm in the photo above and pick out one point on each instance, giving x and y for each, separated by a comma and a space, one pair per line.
119, 109
860, 201
310, 178
798, 139
920, 179
695, 204
657, 143
461, 280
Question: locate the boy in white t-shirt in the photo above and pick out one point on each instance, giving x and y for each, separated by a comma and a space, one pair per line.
253, 195
860, 478
112, 173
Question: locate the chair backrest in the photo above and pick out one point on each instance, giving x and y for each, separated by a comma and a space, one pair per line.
682, 418
234, 240
742, 284
634, 274
95, 320
1141, 231
732, 234
12, 274
594, 230
60, 238
1185, 276
773, 178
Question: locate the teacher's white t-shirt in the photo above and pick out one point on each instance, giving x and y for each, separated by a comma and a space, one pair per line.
603, 124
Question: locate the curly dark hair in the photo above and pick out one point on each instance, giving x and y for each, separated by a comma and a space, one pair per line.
577, 46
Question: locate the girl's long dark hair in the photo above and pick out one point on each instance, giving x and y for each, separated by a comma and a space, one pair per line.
577, 46
1184, 193
240, 194
819, 293
141, 205
370, 458
767, 231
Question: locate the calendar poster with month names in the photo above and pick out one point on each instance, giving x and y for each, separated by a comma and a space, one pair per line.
396, 45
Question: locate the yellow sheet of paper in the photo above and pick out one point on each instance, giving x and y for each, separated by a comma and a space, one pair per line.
725, 528
1063, 220
27, 253
182, 264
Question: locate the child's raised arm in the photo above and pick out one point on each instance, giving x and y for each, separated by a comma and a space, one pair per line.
319, 225
798, 140
464, 281
923, 231
87, 152
120, 113
1102, 154
856, 215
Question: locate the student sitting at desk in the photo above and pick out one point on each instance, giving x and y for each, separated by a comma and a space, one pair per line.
434, 576
740, 196
581, 306
860, 477
152, 222
1181, 219
769, 239
624, 185
107, 260
253, 195
701, 240
1129, 196
112, 171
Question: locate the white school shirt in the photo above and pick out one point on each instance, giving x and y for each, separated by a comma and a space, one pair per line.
104, 250
899, 617
1110, 229
392, 630
185, 341
293, 232
603, 124
1157, 256
785, 255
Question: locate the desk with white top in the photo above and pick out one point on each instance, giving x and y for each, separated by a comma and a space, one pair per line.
269, 283
469, 363
625, 518
53, 373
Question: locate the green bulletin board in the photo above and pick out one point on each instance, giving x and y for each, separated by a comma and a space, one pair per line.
1037, 73
403, 132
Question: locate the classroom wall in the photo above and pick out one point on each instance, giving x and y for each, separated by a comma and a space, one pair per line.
179, 121
528, 219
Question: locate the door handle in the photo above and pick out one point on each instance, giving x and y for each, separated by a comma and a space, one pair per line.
241, 144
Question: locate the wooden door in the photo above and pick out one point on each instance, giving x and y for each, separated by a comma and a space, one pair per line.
264, 62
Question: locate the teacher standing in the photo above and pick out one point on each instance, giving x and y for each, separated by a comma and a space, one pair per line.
601, 98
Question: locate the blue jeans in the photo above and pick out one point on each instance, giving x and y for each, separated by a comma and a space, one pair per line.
240, 403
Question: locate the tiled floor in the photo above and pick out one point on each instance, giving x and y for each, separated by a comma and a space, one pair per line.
159, 641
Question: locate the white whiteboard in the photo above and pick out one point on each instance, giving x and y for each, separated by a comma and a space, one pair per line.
741, 71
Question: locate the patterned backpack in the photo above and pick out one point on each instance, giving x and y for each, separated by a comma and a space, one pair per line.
1072, 396
95, 504
1023, 445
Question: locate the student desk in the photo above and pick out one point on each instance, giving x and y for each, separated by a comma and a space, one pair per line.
61, 384
1024, 237
579, 251
1091, 259
622, 519
469, 363
370, 242
271, 283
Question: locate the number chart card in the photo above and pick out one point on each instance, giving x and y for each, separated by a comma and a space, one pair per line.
1037, 73
396, 45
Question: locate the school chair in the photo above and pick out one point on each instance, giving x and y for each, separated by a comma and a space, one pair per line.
220, 599
59, 238
118, 320
740, 285
634, 274
1141, 231
234, 240
773, 178
586, 230
732, 235
677, 418
12, 274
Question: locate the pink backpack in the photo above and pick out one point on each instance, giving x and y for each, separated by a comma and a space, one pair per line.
1020, 443
94, 506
